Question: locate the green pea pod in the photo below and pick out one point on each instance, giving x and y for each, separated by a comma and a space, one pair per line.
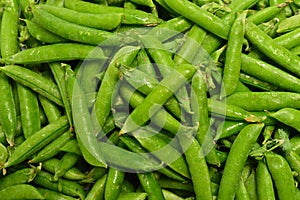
71, 147
33, 80
289, 40
20, 176
233, 56
265, 188
56, 52
3, 153
201, 17
232, 111
236, 160
66, 163
52, 111
242, 192
199, 171
282, 176
266, 14
294, 161
251, 186
70, 30
71, 188
95, 174
41, 34
158, 97
288, 24
97, 191
25, 8
71, 174
53, 195
229, 128
133, 196
21, 191
103, 102
168, 195
131, 16
114, 180
58, 72
271, 49
108, 21
295, 144
37, 141
254, 82
29, 110
260, 101
52, 148
288, 116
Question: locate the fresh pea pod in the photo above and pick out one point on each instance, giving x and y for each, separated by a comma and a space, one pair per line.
265, 189
97, 191
133, 196
288, 24
294, 161
52, 111
37, 141
21, 176
53, 195
282, 176
29, 110
56, 52
21, 191
71, 147
288, 116
131, 16
237, 159
3, 153
66, 163
43, 35
34, 81
114, 180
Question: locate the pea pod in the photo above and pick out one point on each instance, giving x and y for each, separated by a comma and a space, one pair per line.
288, 116
53, 195
37, 141
97, 191
237, 159
21, 191
265, 189
34, 81
66, 163
282, 176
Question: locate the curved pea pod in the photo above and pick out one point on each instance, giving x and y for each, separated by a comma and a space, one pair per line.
20, 176
71, 147
108, 21
233, 112
65, 164
41, 34
282, 176
229, 128
260, 101
236, 160
21, 191
37, 141
294, 161
265, 188
56, 52
131, 16
53, 195
72, 31
64, 186
288, 24
288, 116
97, 191
35, 81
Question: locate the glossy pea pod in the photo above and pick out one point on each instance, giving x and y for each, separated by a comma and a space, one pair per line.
97, 191
9, 46
103, 101
37, 141
53, 195
158, 96
56, 52
73, 173
199, 106
131, 16
58, 72
237, 159
52, 111
270, 74
256, 83
265, 188
282, 176
229, 128
35, 81
29, 110
70, 30
21, 191
42, 34
294, 161
67, 162
271, 49
233, 56
108, 21
71, 147
52, 148
71, 188
20, 176
288, 116
25, 8
251, 185
288, 24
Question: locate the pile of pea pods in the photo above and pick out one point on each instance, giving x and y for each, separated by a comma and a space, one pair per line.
150, 99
